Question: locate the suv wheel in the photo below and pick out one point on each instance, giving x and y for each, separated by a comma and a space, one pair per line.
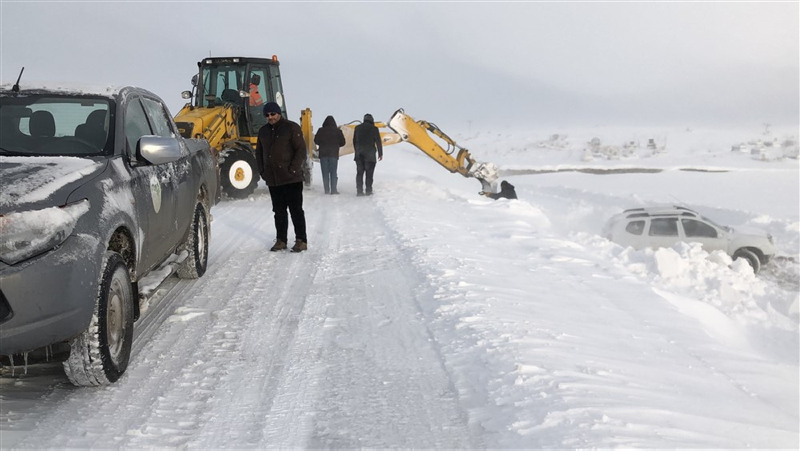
100, 354
197, 244
751, 258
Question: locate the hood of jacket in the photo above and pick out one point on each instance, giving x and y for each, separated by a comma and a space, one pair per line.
368, 118
329, 122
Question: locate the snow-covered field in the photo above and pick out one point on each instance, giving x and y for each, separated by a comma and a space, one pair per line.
428, 316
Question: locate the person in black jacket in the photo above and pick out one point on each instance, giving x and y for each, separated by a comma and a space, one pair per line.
280, 154
366, 141
329, 139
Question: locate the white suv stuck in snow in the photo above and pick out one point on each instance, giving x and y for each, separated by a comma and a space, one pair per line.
664, 226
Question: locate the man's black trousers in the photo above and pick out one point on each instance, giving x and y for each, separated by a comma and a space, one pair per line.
288, 197
362, 167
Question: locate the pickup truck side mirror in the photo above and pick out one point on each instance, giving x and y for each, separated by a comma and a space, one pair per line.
159, 150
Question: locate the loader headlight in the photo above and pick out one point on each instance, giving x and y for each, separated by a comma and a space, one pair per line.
29, 233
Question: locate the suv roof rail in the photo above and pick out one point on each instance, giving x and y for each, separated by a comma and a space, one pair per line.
674, 210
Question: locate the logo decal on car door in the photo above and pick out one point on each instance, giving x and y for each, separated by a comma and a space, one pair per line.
155, 192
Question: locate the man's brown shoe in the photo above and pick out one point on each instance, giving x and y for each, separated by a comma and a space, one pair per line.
299, 246
278, 246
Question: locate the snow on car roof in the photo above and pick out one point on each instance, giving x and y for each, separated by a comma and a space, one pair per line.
67, 88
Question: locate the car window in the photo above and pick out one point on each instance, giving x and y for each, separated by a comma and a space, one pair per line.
136, 125
635, 227
158, 118
664, 227
54, 124
693, 228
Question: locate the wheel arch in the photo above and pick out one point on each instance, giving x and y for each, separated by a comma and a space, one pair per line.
123, 243
202, 196
759, 253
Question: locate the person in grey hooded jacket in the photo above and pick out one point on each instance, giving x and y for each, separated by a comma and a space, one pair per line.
367, 142
329, 138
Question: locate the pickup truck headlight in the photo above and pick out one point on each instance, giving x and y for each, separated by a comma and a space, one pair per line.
29, 233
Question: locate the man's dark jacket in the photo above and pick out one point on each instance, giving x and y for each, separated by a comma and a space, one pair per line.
280, 153
367, 140
329, 139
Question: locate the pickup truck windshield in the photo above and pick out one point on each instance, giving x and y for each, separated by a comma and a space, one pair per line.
54, 125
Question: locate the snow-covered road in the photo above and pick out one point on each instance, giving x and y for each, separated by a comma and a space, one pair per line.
428, 317
321, 349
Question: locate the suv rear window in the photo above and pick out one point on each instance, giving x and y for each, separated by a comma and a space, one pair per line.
635, 227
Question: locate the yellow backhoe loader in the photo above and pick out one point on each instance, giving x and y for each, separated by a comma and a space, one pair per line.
225, 108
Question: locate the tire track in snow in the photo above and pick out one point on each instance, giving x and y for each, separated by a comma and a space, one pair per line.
378, 380
139, 402
240, 417
322, 349
239, 359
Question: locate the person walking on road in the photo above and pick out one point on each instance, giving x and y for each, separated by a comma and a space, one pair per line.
280, 154
367, 142
329, 139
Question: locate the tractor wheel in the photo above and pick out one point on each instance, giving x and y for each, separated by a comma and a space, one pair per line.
751, 258
100, 354
239, 174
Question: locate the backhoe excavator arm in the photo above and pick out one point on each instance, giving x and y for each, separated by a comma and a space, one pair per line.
417, 133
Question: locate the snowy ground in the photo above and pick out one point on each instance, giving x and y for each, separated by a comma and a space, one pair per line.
428, 316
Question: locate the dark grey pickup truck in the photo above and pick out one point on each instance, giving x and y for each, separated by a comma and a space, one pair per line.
97, 189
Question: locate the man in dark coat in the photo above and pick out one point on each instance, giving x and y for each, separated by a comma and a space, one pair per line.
280, 154
329, 139
367, 142
506, 190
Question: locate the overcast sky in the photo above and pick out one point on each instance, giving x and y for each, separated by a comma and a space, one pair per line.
604, 63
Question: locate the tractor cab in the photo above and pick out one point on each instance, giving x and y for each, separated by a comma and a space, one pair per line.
245, 83
226, 108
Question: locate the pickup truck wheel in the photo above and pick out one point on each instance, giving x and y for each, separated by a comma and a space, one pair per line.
197, 244
751, 258
239, 175
100, 355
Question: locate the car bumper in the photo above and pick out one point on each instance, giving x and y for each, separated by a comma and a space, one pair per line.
48, 299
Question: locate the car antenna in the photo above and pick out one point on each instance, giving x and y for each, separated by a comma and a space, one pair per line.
679, 201
15, 88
